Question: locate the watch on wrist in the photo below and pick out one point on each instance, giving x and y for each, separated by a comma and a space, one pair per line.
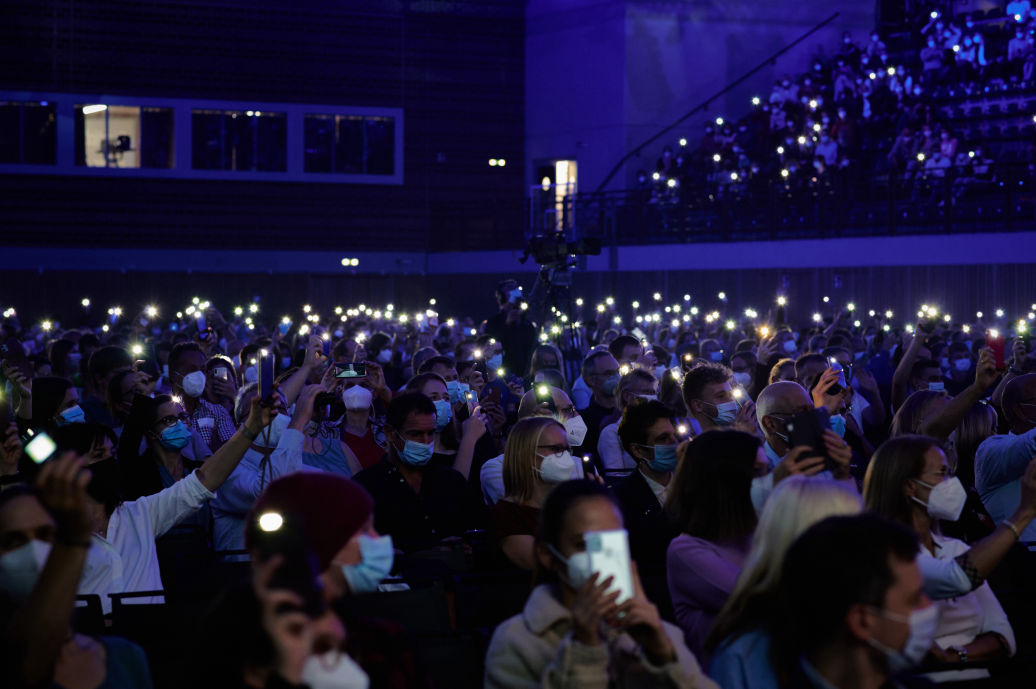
962, 653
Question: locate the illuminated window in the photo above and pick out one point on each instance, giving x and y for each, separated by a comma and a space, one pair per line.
28, 132
350, 144
123, 136
239, 140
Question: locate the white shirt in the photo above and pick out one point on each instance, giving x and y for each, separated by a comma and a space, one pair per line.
240, 491
609, 449
661, 492
963, 618
491, 476
860, 405
125, 558
581, 393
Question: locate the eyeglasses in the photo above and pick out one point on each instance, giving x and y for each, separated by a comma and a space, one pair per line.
555, 449
172, 419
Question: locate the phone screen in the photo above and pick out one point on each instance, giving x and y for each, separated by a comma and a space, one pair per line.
610, 557
353, 370
40, 448
221, 373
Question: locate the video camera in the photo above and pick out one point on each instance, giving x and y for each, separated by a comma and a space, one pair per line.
554, 250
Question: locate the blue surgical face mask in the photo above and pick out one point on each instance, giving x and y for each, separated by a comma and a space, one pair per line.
454, 389
443, 414
285, 362
416, 454
377, 557
494, 362
716, 356
71, 415
610, 384
838, 425
725, 413
937, 387
176, 436
962, 365
664, 459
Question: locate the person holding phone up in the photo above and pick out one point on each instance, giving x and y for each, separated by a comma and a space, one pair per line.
573, 631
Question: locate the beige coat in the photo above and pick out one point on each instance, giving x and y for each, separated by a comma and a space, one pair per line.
536, 649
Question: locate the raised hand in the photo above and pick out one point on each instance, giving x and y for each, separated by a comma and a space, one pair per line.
592, 606
800, 460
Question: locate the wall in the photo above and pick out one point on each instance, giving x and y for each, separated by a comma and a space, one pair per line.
456, 68
612, 92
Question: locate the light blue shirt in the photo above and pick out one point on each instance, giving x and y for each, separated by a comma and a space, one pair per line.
1000, 463
249, 479
744, 663
581, 393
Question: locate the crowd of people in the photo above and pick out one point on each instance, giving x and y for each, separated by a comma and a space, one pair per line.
868, 113
817, 504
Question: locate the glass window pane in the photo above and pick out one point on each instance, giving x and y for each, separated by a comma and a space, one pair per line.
123, 142
272, 137
10, 132
380, 138
207, 140
39, 133
239, 141
92, 144
349, 145
156, 138
318, 141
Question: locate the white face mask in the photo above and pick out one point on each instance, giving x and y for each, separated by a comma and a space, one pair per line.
275, 430
578, 566
357, 398
384, 356
946, 500
21, 567
333, 670
557, 468
923, 624
962, 365
575, 429
194, 384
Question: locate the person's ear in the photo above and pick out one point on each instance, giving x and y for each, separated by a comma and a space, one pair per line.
860, 622
911, 489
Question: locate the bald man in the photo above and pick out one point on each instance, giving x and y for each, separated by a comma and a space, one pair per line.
1001, 460
492, 472
777, 404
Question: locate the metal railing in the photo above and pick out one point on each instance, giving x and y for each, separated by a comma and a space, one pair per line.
1001, 197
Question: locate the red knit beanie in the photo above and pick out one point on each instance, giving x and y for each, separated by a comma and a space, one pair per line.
330, 510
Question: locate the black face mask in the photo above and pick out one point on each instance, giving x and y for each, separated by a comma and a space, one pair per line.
105, 483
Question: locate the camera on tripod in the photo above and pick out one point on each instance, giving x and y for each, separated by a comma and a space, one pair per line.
553, 251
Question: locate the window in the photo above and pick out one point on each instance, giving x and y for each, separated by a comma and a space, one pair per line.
239, 140
28, 132
123, 136
350, 144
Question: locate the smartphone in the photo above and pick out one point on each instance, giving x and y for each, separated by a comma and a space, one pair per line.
927, 325
492, 395
995, 341
472, 399
326, 338
282, 535
221, 373
5, 414
841, 385
353, 370
588, 467
545, 396
285, 327
609, 553
266, 378
807, 428
39, 446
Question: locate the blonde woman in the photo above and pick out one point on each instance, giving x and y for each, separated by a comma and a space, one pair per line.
536, 458
634, 387
739, 641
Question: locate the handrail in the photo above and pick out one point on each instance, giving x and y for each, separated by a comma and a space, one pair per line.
708, 101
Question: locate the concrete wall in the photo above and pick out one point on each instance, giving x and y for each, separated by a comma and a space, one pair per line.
609, 90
